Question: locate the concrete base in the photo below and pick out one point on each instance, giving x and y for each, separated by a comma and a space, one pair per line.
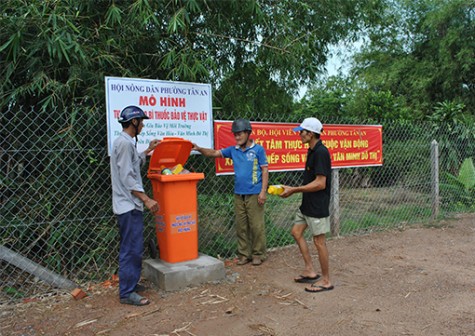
175, 276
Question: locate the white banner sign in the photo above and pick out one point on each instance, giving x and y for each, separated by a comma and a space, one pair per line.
176, 109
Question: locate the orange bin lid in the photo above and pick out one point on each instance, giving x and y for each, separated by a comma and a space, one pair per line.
170, 152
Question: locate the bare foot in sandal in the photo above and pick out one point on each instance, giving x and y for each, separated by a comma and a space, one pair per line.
135, 299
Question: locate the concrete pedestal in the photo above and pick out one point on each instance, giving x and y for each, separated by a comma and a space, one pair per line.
175, 276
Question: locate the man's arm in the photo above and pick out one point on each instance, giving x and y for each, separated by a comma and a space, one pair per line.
265, 182
150, 203
208, 152
318, 184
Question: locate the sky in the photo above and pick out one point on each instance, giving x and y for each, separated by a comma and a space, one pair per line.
338, 60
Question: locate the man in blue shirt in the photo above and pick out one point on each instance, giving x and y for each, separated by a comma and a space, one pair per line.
251, 177
128, 199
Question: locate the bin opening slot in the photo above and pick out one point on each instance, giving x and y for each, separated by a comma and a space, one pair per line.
167, 163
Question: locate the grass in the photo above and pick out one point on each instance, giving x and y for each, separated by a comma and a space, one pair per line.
362, 210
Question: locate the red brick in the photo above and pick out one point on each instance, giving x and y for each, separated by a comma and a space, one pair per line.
78, 294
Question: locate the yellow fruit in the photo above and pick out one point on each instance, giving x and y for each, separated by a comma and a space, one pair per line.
275, 189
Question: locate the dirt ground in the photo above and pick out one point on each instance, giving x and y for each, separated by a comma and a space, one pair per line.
414, 281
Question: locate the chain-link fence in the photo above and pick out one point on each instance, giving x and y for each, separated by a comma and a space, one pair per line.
57, 225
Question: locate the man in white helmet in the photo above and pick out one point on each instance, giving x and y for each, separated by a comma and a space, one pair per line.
314, 210
128, 199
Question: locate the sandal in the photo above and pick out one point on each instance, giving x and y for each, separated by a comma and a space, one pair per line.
307, 279
318, 289
135, 300
242, 261
140, 288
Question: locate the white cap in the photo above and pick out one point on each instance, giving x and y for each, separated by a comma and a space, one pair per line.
310, 124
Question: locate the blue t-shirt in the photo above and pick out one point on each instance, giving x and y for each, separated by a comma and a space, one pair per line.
247, 168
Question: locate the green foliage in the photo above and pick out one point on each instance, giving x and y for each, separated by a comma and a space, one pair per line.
422, 51
454, 131
216, 221
52, 176
447, 113
278, 237
378, 106
327, 99
467, 174
242, 94
348, 100
13, 292
222, 247
56, 53
406, 149
357, 219
460, 188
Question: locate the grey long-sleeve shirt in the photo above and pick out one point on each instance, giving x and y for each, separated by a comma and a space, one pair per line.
125, 174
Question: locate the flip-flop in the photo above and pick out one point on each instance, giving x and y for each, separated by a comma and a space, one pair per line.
140, 288
318, 289
307, 279
135, 299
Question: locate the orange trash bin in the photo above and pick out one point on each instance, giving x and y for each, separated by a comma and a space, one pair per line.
177, 220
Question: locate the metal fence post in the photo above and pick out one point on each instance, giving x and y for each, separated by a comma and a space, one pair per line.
335, 203
434, 154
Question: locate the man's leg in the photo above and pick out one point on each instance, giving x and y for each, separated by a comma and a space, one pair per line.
242, 228
320, 244
297, 232
131, 251
319, 227
257, 227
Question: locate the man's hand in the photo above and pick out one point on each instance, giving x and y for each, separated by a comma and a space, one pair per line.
152, 205
151, 146
288, 191
261, 199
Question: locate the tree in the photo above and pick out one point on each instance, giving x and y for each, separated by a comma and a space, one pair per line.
424, 52
327, 98
56, 53
344, 99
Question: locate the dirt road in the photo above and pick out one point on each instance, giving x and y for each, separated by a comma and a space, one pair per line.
415, 281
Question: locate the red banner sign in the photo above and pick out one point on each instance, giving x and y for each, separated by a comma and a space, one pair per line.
349, 145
